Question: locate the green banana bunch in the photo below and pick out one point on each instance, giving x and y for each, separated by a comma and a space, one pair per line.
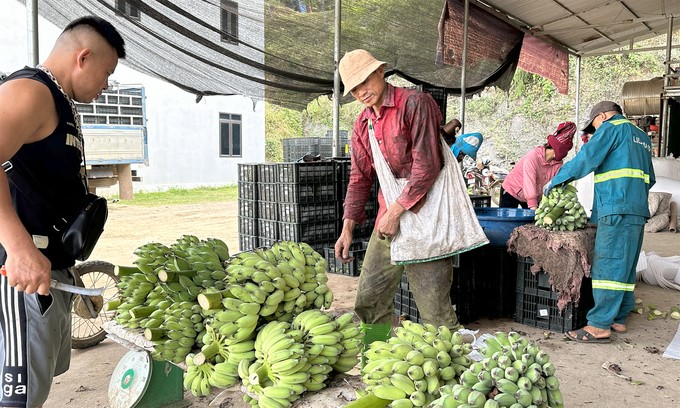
513, 373
410, 368
561, 210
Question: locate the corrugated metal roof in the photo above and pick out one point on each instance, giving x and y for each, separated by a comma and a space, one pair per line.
587, 27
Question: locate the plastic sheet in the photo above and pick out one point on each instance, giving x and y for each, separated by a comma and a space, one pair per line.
661, 271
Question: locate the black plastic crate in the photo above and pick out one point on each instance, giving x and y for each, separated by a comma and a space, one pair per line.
306, 193
267, 173
352, 268
309, 232
303, 173
247, 190
268, 192
247, 226
268, 228
267, 242
466, 289
480, 200
247, 242
268, 210
321, 245
537, 306
496, 274
527, 281
343, 167
405, 306
247, 172
363, 232
306, 212
247, 208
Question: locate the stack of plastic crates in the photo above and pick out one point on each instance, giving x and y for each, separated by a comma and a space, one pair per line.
308, 203
537, 302
296, 147
363, 231
247, 206
352, 268
267, 204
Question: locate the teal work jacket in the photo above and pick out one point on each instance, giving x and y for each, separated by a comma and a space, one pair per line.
620, 154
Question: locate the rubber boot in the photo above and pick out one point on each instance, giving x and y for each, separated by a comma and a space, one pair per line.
373, 332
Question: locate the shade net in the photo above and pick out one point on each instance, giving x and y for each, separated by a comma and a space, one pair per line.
282, 50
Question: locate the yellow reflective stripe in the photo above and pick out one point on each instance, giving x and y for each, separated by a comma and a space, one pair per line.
613, 285
622, 121
622, 173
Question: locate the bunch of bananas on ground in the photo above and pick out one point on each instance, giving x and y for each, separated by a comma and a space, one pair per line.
561, 210
294, 358
175, 330
514, 373
332, 343
283, 273
192, 294
201, 378
216, 365
410, 368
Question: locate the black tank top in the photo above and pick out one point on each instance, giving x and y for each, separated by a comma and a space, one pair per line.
55, 163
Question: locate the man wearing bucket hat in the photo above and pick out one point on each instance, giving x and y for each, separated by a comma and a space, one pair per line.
406, 124
467, 144
620, 154
523, 185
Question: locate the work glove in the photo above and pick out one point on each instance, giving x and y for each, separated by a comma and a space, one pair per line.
546, 189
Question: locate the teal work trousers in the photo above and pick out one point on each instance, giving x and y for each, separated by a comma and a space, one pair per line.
617, 248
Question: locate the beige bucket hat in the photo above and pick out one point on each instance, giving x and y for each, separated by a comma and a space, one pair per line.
355, 66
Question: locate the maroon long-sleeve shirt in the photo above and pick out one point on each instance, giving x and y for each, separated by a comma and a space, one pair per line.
408, 134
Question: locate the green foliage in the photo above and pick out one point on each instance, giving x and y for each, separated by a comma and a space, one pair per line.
280, 123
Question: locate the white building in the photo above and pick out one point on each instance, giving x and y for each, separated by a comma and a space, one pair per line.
185, 148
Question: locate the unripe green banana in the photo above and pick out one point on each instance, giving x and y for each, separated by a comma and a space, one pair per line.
552, 383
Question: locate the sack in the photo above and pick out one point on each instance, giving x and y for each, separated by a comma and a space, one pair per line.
83, 231
447, 219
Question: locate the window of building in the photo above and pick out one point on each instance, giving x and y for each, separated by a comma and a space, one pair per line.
125, 8
229, 21
230, 135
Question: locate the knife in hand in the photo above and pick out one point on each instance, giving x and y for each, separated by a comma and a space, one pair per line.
65, 287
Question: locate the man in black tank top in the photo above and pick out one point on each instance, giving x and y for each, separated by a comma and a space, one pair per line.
40, 130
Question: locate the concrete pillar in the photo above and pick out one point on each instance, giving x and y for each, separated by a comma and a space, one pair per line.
124, 181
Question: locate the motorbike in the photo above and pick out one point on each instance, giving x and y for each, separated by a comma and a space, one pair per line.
483, 178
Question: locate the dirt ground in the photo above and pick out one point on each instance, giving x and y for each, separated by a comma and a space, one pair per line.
584, 383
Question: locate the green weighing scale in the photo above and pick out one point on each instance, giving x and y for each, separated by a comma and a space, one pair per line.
141, 382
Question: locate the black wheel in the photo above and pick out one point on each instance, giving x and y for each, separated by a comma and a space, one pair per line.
87, 331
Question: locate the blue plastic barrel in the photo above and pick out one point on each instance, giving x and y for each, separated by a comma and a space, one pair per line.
498, 223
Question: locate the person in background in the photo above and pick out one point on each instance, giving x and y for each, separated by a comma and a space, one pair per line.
40, 129
620, 154
450, 131
523, 185
406, 125
467, 144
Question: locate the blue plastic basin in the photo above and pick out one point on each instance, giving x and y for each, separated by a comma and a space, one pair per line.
498, 223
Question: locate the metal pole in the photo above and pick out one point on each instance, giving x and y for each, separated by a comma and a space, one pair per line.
463, 67
665, 126
577, 117
32, 32
336, 83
